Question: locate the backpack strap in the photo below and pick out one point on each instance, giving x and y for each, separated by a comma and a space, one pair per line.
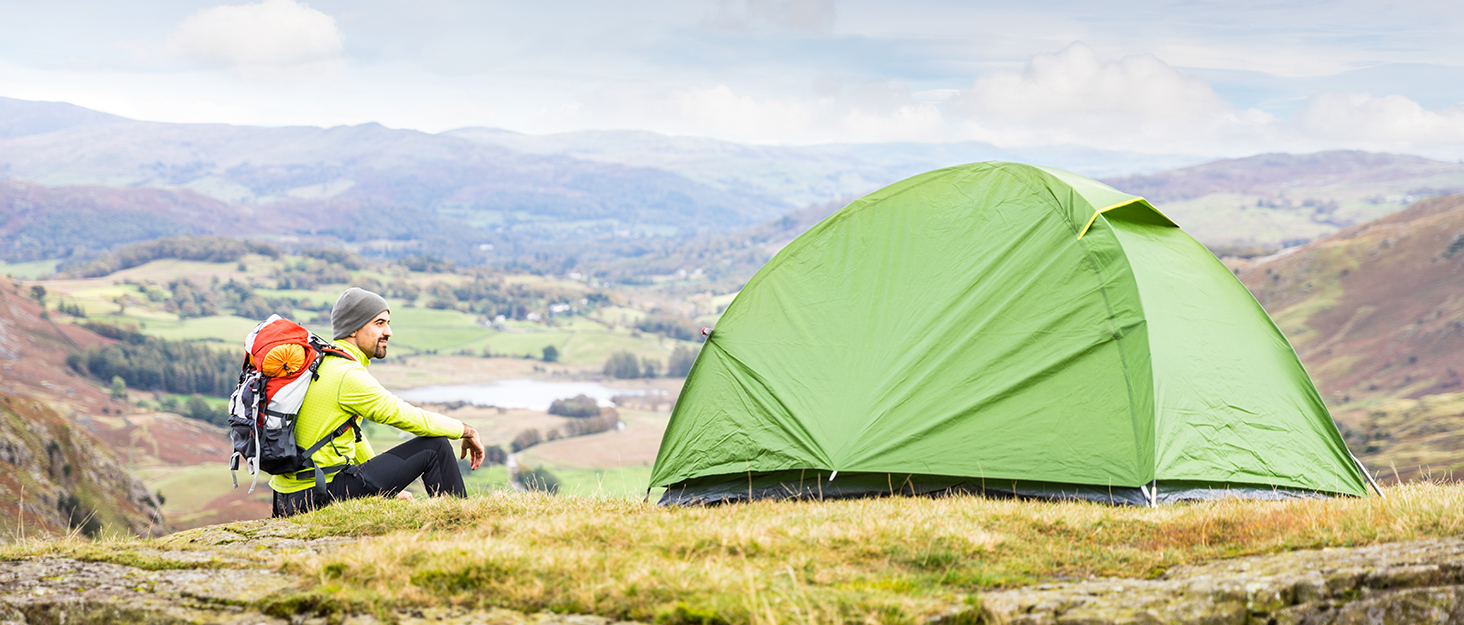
320, 472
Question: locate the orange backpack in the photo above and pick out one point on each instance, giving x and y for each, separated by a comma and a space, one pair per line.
266, 404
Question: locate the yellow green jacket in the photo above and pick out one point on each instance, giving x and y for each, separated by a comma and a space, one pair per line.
343, 390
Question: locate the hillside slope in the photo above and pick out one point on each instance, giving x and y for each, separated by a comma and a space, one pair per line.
1376, 313
1376, 310
63, 478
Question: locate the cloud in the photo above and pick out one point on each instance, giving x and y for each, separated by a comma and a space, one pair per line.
1073, 97
271, 34
1380, 122
865, 112
808, 17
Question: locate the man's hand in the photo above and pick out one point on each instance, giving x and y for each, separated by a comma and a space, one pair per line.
472, 446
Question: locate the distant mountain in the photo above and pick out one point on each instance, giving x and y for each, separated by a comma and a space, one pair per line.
802, 175
1262, 203
475, 195
551, 202
39, 222
19, 118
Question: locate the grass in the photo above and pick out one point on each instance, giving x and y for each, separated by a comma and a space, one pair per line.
869, 560
30, 270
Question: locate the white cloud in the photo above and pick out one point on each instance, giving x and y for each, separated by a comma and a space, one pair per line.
269, 35
1136, 103
869, 112
810, 17
1389, 122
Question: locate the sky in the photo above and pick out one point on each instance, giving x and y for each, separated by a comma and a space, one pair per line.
1202, 78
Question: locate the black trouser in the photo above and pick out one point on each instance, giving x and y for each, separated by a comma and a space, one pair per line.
388, 473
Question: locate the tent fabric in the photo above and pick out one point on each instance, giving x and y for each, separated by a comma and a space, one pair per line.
1001, 322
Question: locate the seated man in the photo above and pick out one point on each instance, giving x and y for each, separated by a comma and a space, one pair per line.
361, 324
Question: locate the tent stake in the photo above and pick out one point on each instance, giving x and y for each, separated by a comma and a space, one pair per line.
1367, 475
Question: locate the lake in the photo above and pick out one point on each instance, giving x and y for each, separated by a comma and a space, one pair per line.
529, 394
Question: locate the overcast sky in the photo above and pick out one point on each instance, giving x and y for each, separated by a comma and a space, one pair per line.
1204, 78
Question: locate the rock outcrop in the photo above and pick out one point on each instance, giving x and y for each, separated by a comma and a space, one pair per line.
1413, 582
56, 479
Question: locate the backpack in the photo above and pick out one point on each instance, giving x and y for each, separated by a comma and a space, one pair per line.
266, 404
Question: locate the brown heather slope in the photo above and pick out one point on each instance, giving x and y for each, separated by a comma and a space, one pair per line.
1376, 310
54, 476
1376, 313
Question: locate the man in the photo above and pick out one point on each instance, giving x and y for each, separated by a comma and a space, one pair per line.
361, 325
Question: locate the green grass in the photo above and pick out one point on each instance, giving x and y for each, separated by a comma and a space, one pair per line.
889, 560
30, 270
227, 328
868, 560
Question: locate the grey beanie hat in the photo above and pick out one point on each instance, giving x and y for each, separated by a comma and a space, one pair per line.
354, 309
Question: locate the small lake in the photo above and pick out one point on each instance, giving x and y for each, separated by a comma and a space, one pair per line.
528, 394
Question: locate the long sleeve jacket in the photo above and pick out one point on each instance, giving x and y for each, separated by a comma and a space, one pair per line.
345, 390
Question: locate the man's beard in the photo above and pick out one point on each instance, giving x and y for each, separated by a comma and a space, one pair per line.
380, 350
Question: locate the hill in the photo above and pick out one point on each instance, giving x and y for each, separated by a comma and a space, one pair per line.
1376, 313
65, 478
1376, 310
1262, 203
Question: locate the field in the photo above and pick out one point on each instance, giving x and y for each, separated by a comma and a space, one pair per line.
580, 340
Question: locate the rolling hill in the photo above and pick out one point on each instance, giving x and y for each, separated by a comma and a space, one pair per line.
1376, 313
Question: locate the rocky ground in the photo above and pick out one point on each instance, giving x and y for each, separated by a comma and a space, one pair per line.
220, 574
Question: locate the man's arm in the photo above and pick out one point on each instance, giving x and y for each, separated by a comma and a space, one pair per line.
361, 394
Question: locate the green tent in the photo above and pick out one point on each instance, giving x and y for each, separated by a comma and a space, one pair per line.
1004, 329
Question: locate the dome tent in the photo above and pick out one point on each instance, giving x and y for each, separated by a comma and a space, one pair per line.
1004, 329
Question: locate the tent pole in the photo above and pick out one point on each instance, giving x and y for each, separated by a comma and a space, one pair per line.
1367, 475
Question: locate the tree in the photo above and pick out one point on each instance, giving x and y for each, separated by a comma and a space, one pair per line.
526, 439
623, 365
551, 353
118, 388
681, 360
38, 292
579, 406
494, 454
197, 407
650, 367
